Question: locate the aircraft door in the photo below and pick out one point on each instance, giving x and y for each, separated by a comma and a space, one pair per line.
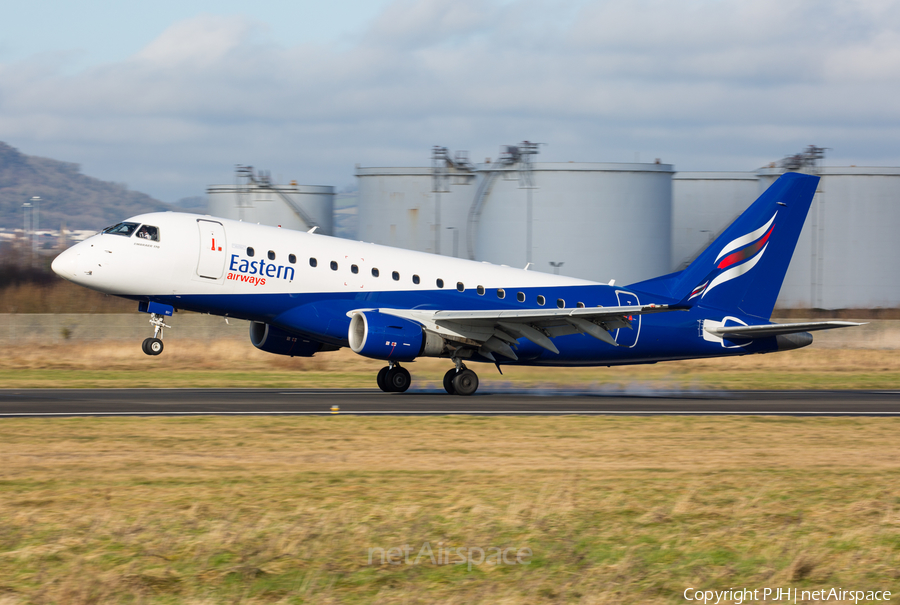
213, 250
626, 337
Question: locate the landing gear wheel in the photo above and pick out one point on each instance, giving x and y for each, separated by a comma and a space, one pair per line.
152, 346
398, 379
465, 382
380, 379
448, 381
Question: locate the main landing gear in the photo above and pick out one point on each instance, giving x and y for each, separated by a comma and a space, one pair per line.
460, 380
393, 379
154, 345
457, 381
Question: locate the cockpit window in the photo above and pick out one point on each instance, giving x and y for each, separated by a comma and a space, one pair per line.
125, 229
148, 232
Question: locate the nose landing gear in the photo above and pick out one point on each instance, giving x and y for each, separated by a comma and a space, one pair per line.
154, 345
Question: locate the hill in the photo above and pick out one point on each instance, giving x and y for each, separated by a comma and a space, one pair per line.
67, 196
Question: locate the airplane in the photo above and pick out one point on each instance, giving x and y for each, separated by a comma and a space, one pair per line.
306, 293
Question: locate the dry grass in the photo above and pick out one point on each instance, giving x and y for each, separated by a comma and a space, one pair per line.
616, 510
59, 296
228, 363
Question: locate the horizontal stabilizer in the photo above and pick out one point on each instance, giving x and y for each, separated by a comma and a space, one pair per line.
777, 329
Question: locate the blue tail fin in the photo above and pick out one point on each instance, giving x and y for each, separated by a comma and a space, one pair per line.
744, 268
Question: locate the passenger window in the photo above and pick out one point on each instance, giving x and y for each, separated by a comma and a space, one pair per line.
480, 290
541, 300
125, 229
148, 232
520, 296
292, 259
460, 286
313, 262
334, 265
354, 269
374, 272
271, 255
501, 293
560, 303
439, 282
415, 279
395, 276
579, 305
250, 251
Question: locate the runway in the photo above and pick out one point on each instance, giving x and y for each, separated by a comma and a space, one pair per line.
547, 401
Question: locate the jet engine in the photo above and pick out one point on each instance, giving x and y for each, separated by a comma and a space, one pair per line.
275, 340
382, 336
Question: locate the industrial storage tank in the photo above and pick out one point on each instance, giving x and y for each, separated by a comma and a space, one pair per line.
703, 205
255, 199
846, 255
595, 221
415, 208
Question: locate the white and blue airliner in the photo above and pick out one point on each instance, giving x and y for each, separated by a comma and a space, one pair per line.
306, 293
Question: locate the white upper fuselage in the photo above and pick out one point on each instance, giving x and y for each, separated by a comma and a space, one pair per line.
172, 265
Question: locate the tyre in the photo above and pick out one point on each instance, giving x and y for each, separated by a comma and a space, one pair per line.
465, 383
154, 346
448, 381
398, 379
380, 379
144, 346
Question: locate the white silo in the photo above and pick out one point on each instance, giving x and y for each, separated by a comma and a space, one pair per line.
846, 255
589, 220
703, 205
255, 199
415, 209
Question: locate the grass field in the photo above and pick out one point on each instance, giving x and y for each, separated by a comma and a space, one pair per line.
227, 363
285, 510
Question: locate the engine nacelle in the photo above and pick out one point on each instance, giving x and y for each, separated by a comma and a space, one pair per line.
274, 340
382, 336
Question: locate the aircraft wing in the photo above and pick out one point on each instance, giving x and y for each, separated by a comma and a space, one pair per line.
777, 329
497, 331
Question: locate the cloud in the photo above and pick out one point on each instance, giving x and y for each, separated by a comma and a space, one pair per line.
201, 42
706, 84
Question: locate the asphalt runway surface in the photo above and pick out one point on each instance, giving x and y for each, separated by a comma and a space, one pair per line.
540, 401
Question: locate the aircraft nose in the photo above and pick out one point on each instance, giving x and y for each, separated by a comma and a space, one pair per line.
66, 264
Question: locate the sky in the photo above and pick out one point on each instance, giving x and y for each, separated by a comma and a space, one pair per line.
167, 97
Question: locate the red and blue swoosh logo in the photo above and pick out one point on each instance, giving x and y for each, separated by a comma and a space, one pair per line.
736, 258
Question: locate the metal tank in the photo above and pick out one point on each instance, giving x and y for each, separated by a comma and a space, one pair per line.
703, 205
412, 208
846, 255
589, 220
255, 199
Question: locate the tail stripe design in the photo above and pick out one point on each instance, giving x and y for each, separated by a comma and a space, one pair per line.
730, 274
745, 253
698, 290
746, 239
